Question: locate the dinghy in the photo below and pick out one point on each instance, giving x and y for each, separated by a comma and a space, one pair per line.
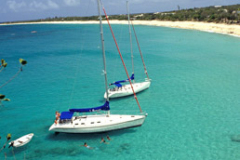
22, 140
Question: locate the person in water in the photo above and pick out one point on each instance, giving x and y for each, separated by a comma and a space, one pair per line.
87, 146
11, 144
9, 136
108, 138
103, 141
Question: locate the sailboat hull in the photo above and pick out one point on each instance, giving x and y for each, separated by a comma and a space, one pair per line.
98, 123
126, 90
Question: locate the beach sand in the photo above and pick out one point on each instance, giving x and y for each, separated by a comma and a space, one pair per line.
233, 30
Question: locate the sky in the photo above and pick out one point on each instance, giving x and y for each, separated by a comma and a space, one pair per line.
17, 10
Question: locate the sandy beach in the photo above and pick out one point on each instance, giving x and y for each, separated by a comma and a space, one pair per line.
233, 30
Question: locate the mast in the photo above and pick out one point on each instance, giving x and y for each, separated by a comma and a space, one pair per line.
135, 96
130, 36
103, 50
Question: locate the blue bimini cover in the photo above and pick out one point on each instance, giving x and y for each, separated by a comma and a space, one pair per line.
104, 107
66, 115
118, 83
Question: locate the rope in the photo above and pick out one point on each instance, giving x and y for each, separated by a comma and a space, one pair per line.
13, 154
1, 69
4, 146
24, 156
5, 155
12, 78
135, 96
140, 51
42, 135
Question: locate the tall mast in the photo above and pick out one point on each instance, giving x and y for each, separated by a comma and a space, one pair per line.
130, 36
135, 96
103, 50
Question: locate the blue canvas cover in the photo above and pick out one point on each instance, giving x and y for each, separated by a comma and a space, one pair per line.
66, 115
104, 107
118, 83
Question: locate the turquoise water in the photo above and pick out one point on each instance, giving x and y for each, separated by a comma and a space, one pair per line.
193, 103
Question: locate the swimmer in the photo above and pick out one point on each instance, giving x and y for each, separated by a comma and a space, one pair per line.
87, 146
103, 141
11, 144
9, 136
108, 138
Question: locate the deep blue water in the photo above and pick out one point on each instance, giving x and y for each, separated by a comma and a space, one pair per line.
193, 104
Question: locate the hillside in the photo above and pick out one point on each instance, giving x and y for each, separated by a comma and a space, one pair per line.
218, 14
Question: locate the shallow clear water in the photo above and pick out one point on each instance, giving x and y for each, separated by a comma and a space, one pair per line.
193, 103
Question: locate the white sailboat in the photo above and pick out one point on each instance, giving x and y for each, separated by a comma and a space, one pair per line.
68, 123
125, 90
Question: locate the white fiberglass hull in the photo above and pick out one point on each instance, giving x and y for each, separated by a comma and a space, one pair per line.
22, 140
126, 90
98, 123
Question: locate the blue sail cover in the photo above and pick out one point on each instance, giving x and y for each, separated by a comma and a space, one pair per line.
66, 115
118, 83
104, 107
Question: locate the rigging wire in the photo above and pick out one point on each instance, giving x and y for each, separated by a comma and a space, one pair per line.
115, 73
120, 37
5, 155
130, 38
13, 154
1, 69
135, 96
140, 50
12, 78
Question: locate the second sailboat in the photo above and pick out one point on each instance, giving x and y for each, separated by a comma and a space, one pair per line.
121, 90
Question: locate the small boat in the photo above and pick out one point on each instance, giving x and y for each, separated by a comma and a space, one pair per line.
122, 90
22, 140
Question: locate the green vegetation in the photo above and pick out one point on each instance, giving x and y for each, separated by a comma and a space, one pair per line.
218, 14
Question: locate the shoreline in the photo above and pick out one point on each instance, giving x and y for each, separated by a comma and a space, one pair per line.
232, 30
